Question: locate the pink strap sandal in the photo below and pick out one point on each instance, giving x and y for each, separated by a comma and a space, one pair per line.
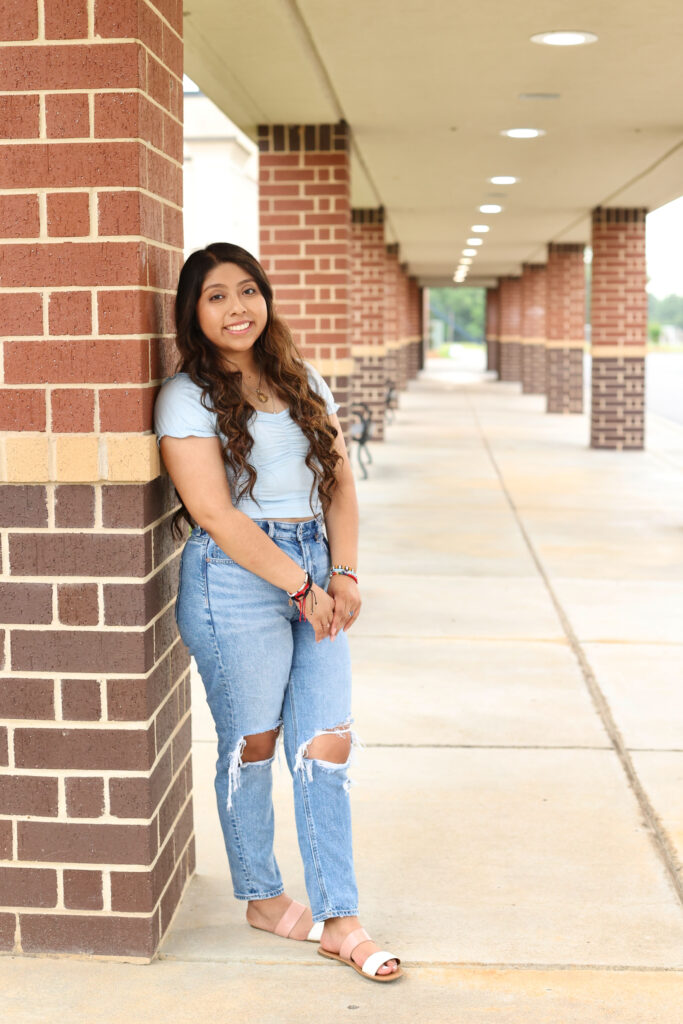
371, 964
288, 921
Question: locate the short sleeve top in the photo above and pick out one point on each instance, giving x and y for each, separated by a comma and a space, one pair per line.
283, 480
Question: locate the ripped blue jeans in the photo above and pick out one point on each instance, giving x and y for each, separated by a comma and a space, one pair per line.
262, 669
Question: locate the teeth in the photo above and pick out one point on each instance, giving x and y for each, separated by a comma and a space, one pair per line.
239, 328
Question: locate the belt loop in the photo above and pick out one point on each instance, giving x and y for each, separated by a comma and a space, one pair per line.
271, 528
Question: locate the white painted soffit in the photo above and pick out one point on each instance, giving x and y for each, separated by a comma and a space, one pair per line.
427, 86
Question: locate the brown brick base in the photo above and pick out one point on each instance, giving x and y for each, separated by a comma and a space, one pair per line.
564, 380
492, 354
533, 369
369, 386
510, 361
618, 403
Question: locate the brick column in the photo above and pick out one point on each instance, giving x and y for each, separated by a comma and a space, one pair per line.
305, 213
510, 324
491, 329
426, 309
414, 328
619, 329
403, 325
96, 838
367, 313
533, 328
392, 343
565, 315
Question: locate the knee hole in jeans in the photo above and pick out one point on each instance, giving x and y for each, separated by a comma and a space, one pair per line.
332, 747
260, 746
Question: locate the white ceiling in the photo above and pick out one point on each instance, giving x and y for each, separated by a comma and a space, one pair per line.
427, 86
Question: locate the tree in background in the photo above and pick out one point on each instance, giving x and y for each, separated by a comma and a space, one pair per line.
666, 311
462, 310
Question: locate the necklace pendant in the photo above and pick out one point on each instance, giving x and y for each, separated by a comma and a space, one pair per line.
261, 397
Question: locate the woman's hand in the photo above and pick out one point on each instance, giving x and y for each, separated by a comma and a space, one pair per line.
347, 602
319, 612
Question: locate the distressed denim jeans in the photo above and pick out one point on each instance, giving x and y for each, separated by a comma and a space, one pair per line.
262, 669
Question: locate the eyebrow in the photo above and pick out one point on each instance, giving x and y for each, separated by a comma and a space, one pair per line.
217, 284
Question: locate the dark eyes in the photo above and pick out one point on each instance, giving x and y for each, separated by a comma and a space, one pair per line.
250, 290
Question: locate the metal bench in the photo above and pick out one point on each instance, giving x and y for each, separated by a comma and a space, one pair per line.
361, 433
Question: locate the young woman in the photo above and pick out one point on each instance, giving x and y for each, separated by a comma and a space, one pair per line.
249, 436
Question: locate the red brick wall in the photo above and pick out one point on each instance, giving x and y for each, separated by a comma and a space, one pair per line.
565, 315
618, 328
96, 837
510, 323
305, 218
367, 313
533, 328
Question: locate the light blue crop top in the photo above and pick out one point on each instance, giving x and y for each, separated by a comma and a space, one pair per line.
283, 480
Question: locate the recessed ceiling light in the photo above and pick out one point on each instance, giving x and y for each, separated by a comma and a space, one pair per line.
475, 241
489, 208
469, 252
523, 133
481, 228
564, 38
466, 261
503, 179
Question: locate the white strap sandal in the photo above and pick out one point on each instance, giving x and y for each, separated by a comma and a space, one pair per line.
371, 965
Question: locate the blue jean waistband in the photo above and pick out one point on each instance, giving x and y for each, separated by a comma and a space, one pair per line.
276, 528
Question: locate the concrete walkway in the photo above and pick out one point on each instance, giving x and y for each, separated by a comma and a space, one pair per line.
518, 814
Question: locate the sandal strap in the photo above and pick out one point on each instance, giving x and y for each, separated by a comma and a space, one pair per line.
289, 919
375, 961
352, 940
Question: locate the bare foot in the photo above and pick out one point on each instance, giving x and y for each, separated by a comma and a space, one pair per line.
335, 931
265, 914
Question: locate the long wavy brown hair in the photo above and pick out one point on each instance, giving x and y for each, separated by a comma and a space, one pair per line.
277, 358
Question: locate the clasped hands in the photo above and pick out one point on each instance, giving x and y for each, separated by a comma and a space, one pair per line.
334, 609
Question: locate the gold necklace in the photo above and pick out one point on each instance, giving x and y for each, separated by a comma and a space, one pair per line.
262, 397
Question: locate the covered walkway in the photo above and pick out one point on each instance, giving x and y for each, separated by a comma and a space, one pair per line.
517, 814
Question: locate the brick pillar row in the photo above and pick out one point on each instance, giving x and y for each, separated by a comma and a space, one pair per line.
619, 328
96, 834
533, 328
305, 242
510, 325
491, 329
368, 264
565, 315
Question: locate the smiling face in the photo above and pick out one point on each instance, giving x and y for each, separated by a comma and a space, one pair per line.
232, 312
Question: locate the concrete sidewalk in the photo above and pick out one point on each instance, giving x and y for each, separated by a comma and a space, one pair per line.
518, 814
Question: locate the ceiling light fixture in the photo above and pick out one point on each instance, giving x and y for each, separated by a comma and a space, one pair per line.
469, 252
489, 208
475, 241
466, 261
564, 38
503, 179
481, 228
523, 133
